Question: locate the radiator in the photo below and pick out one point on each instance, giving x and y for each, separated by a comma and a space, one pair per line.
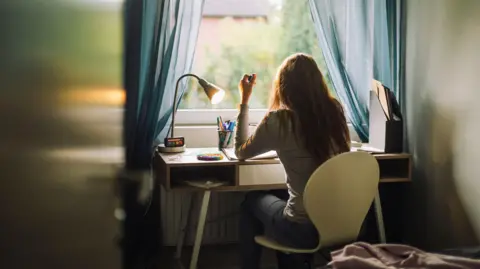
222, 220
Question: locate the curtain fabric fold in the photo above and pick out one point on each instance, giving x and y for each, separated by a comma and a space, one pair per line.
382, 53
169, 31
355, 37
159, 45
394, 16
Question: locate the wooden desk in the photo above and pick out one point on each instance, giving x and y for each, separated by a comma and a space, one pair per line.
172, 170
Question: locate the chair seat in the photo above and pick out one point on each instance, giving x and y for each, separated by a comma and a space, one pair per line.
272, 244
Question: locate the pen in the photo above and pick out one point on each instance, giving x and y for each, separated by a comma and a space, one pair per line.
220, 127
232, 126
226, 141
221, 123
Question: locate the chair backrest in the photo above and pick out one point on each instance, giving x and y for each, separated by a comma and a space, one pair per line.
338, 195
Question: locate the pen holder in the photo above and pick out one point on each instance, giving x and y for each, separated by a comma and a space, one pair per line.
224, 139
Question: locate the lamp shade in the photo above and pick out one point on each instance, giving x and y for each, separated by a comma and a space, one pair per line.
215, 94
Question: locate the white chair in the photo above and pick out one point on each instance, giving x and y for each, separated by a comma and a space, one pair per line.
337, 198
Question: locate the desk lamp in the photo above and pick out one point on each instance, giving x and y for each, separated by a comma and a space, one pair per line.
215, 94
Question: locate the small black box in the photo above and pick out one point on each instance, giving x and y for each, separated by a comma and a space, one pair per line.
174, 142
394, 136
384, 134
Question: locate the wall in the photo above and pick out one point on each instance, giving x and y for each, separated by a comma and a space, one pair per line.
59, 144
443, 121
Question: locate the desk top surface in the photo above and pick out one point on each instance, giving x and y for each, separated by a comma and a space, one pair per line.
189, 158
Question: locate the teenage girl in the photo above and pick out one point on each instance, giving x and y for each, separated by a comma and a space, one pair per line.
306, 126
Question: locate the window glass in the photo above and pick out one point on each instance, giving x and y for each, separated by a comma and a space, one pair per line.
248, 36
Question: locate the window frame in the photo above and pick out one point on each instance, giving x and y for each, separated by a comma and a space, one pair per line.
192, 119
199, 116
209, 116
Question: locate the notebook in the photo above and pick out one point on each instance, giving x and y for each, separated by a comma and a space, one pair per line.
230, 153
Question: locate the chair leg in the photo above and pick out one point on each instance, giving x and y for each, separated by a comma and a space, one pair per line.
200, 227
379, 218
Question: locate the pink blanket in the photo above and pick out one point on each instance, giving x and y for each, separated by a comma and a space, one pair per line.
388, 256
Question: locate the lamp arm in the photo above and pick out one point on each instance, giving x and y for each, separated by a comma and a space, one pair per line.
174, 110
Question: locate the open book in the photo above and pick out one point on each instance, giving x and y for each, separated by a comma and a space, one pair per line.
230, 153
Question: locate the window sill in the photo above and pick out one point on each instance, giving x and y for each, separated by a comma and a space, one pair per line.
193, 117
206, 135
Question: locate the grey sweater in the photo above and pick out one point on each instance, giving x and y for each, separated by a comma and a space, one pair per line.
297, 161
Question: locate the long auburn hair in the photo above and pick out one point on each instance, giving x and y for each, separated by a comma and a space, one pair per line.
300, 88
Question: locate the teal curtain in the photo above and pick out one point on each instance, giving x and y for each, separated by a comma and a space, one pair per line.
355, 38
394, 17
159, 46
165, 51
386, 51
382, 64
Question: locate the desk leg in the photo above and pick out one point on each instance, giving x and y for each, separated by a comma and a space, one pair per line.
379, 219
184, 217
200, 227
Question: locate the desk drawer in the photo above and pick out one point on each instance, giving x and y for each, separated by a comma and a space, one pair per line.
264, 174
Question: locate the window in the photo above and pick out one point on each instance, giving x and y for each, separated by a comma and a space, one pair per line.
245, 36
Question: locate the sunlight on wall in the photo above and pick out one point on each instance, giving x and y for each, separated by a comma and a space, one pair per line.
93, 96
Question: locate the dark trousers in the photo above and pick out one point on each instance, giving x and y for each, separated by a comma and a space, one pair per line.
262, 213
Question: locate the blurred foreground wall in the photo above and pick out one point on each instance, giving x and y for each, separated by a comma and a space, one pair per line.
443, 121
60, 132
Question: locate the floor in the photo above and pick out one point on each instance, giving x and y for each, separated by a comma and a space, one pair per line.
216, 257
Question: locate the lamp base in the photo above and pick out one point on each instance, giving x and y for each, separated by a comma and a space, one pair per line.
164, 149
